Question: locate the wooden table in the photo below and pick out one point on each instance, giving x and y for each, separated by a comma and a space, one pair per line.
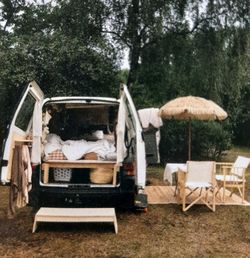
78, 164
180, 170
172, 168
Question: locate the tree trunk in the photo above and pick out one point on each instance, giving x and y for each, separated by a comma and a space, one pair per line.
134, 28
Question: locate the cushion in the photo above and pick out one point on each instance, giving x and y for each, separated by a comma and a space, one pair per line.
56, 155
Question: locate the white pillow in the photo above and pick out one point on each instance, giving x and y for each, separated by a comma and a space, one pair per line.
98, 134
53, 138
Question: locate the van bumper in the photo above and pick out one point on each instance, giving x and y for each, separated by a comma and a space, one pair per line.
56, 197
83, 196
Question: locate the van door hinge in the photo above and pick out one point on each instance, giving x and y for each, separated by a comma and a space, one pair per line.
3, 163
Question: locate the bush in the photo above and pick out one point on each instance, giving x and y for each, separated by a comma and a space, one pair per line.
209, 140
173, 144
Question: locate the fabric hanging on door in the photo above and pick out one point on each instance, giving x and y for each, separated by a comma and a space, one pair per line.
20, 179
150, 116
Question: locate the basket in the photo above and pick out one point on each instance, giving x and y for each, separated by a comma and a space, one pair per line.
62, 174
101, 175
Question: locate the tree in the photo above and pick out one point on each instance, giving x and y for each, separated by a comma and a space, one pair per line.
176, 48
186, 47
61, 47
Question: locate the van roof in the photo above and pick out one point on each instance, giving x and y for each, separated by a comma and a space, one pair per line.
79, 99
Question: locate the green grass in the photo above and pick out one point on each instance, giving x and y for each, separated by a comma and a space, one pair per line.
232, 154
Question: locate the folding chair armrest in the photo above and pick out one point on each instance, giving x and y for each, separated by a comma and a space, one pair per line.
234, 171
224, 163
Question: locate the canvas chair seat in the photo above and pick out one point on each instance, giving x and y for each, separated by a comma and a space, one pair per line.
229, 178
199, 176
193, 185
232, 175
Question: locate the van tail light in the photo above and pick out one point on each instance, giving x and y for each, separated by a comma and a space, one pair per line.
129, 169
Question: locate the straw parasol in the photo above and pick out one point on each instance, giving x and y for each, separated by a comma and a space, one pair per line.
190, 107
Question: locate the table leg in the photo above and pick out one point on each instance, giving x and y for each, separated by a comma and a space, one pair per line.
45, 173
181, 178
115, 170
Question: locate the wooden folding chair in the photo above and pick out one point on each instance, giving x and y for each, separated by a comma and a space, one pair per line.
200, 176
232, 175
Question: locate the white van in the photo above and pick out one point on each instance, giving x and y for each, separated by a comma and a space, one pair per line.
85, 151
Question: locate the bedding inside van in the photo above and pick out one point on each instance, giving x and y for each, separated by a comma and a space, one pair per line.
57, 149
73, 130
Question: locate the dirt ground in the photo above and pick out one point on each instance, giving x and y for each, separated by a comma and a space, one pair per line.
164, 231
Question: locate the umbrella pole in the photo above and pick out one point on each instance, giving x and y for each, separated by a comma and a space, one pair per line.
189, 139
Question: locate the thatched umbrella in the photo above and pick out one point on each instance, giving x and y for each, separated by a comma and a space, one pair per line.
190, 107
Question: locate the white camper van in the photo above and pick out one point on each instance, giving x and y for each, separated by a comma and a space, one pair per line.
84, 151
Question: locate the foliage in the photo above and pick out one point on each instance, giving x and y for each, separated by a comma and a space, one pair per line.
209, 140
176, 48
207, 56
63, 59
123, 76
174, 141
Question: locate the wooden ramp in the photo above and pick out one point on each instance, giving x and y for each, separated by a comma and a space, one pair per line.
165, 195
75, 215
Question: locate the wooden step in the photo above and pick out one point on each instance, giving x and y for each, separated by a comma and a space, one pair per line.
75, 215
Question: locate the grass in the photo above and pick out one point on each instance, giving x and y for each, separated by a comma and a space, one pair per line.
235, 151
164, 231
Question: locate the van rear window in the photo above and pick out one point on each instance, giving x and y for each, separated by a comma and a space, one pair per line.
25, 113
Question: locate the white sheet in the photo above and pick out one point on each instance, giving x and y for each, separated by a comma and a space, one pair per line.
53, 142
173, 168
150, 116
74, 150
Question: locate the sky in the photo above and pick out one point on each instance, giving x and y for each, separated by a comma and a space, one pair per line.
125, 62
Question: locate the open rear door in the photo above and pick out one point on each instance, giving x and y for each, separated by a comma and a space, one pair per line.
19, 130
131, 120
151, 138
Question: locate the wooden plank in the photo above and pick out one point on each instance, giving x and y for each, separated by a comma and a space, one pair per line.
80, 165
152, 195
23, 141
161, 193
45, 168
82, 161
115, 170
165, 195
75, 215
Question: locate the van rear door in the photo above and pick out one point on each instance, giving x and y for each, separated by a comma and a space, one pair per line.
19, 128
140, 158
152, 138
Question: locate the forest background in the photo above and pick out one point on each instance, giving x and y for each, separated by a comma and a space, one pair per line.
176, 48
